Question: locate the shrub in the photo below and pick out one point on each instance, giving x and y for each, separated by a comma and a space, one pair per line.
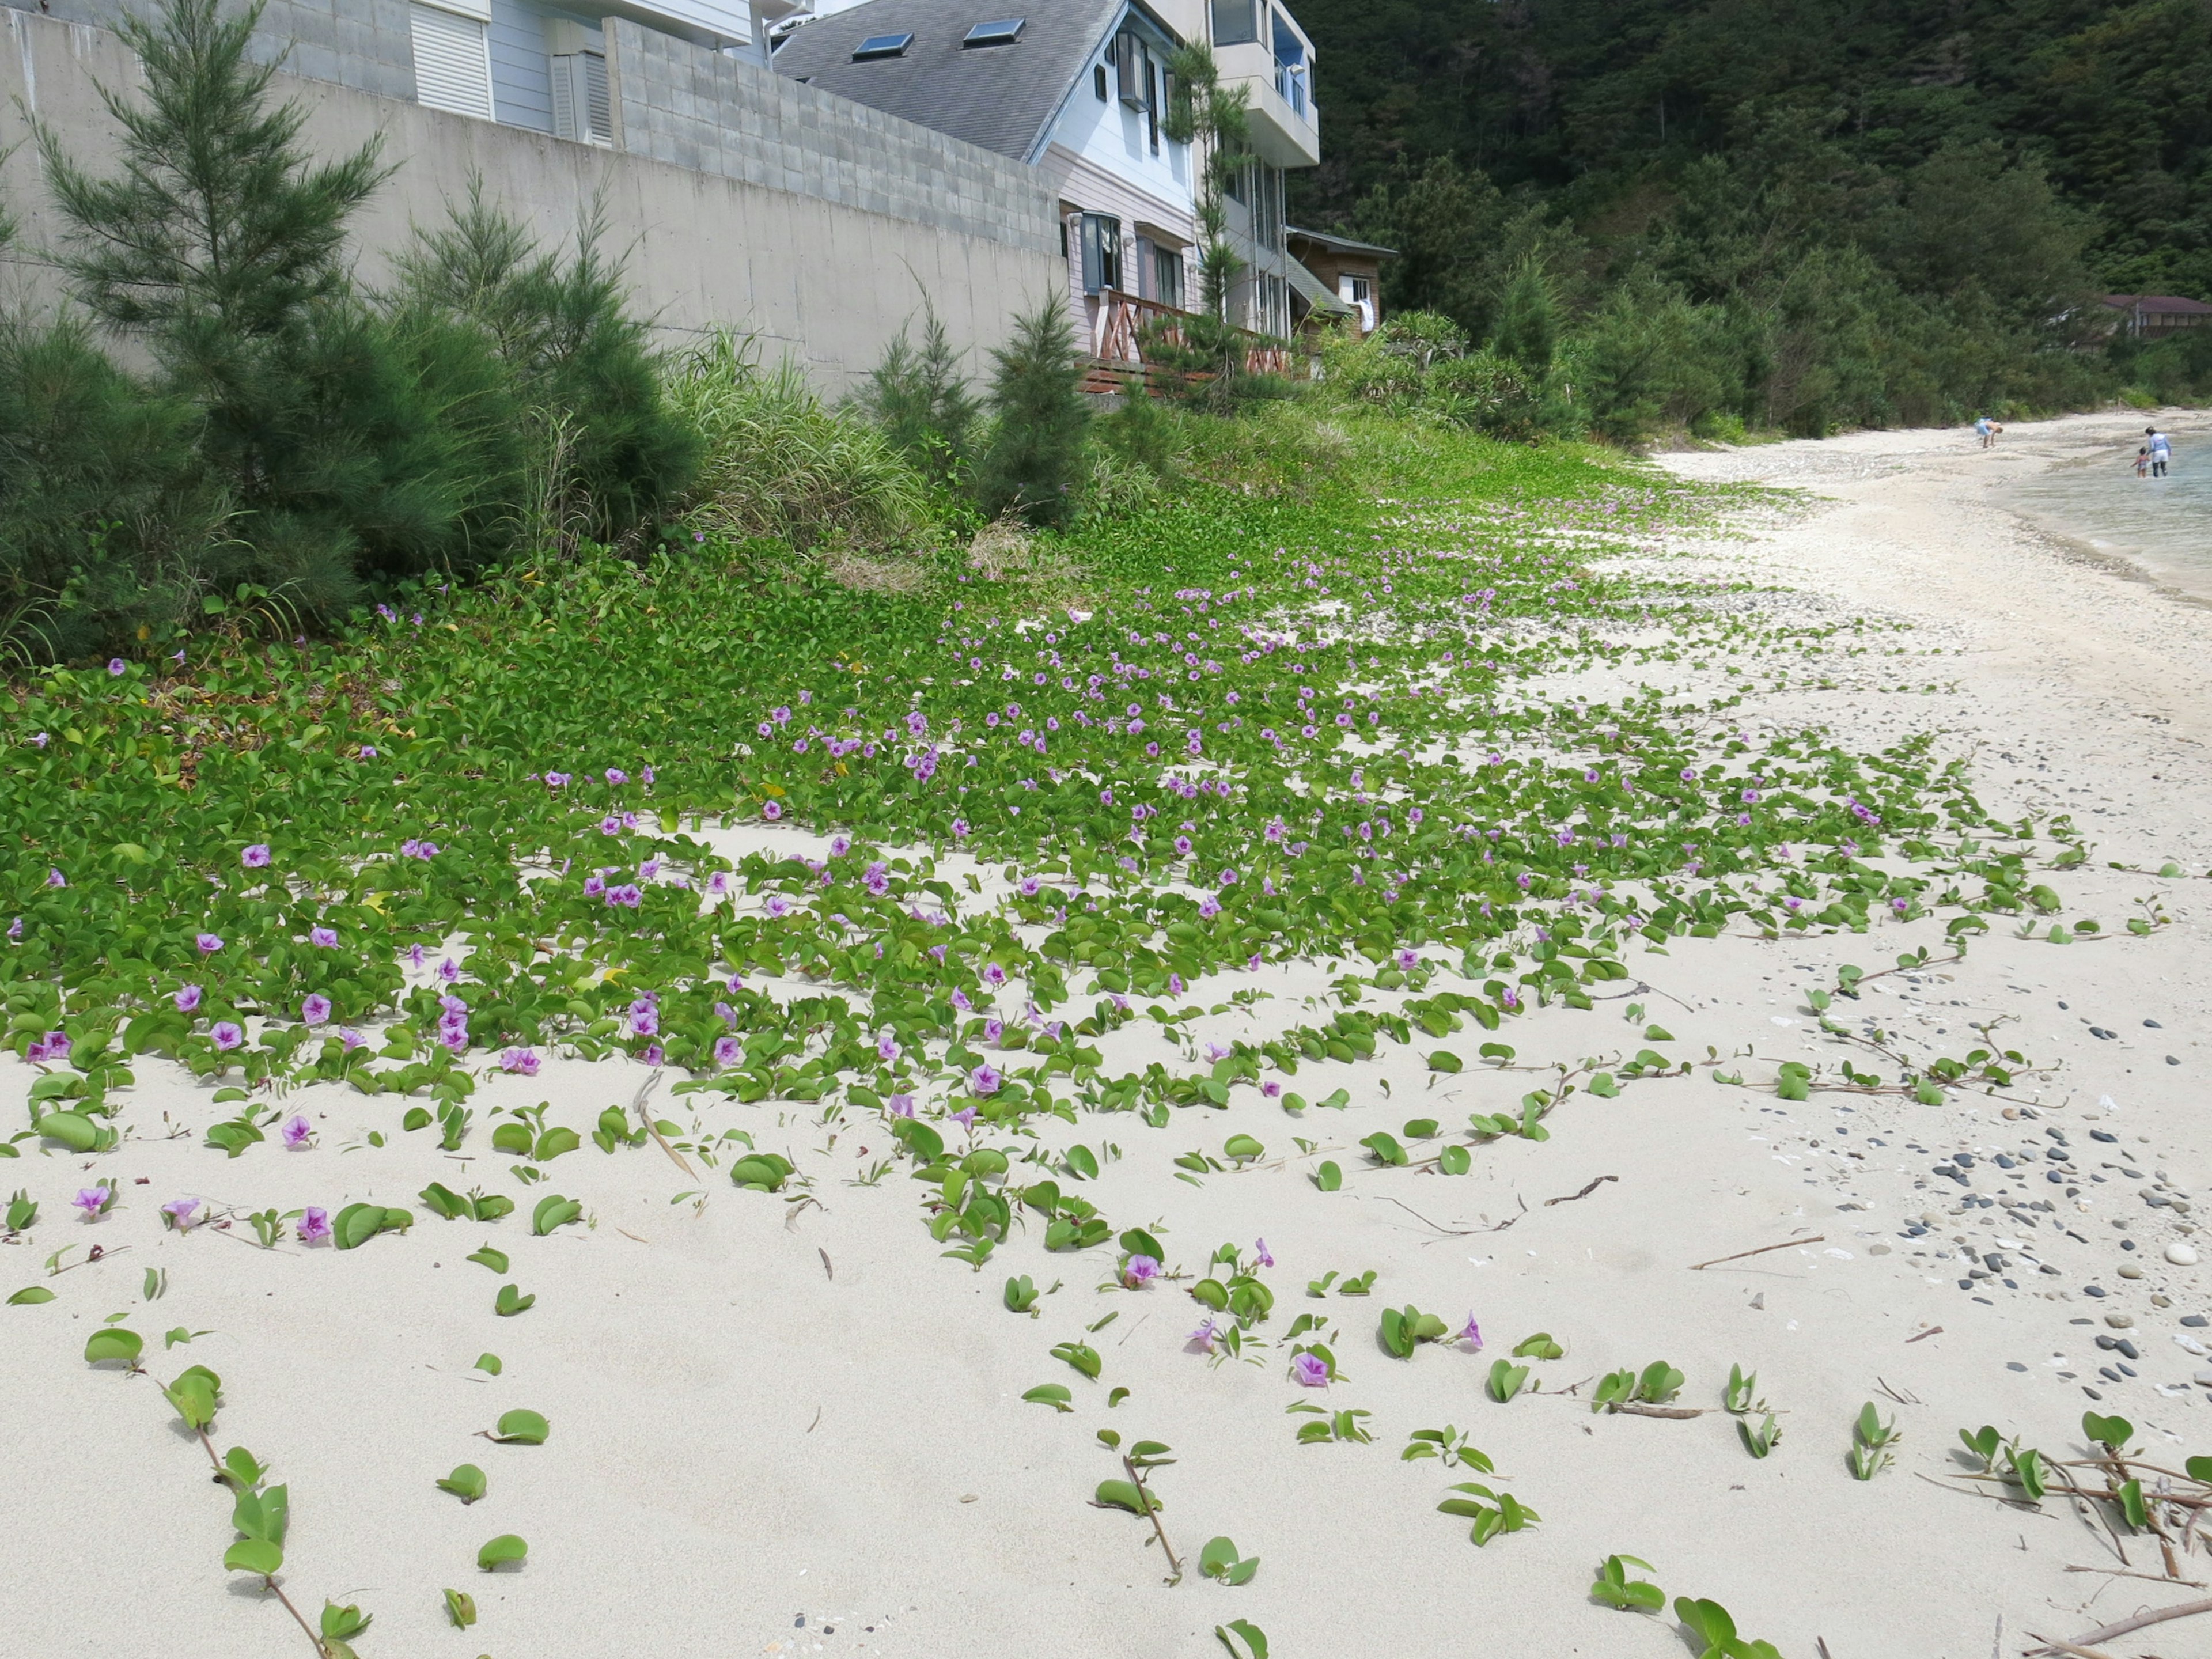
778, 462
1035, 461
921, 400
610, 454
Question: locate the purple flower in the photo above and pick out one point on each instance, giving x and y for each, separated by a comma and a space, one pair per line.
727, 1050
1470, 1333
771, 810
368, 751
322, 939
887, 1048
16, 929
94, 1201
993, 975
349, 1039
1175, 985
1408, 960
1272, 1090
55, 1045
616, 774
1140, 1270
983, 1080
965, 1117
227, 1036
960, 1001
959, 828
1260, 1252
523, 1062
644, 1020
255, 857
316, 1010
993, 1029
653, 1055
295, 1131
209, 944
454, 1037
449, 970
902, 1105
314, 1225
116, 665
1203, 1338
179, 1212
1310, 1370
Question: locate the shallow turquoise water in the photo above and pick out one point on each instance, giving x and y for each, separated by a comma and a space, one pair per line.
2164, 525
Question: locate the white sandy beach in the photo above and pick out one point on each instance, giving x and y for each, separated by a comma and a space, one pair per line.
793, 1429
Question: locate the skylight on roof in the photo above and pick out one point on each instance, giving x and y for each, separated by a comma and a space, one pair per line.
882, 46
1003, 32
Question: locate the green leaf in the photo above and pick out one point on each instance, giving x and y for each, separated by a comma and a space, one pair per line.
460, 1609
554, 1211
1080, 1355
522, 1428
254, 1555
489, 1363
511, 1301
1138, 1242
488, 1257
504, 1550
466, 1482
343, 1624
113, 1343
1443, 1059
1056, 1395
1243, 1639
1328, 1177
30, 1296
74, 1130
1123, 1495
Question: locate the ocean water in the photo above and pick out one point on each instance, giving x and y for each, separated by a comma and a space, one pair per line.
2163, 526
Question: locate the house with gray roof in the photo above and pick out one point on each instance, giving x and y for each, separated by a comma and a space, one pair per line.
1078, 90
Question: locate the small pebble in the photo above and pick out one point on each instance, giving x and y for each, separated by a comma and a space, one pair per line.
2204, 1377
2120, 1322
2153, 1025
2195, 1321
2129, 1270
2181, 1255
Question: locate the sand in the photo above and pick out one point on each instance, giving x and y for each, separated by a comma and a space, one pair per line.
788, 1428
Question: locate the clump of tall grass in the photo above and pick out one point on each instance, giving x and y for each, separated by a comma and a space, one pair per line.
779, 462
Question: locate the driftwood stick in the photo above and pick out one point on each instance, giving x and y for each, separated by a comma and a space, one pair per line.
2105, 1633
1699, 1266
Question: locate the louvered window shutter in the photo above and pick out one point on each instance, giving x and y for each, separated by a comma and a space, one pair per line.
452, 62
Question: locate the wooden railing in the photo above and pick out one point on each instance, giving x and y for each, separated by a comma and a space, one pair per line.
1121, 322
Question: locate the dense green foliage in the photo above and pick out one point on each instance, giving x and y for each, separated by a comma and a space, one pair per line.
1194, 771
1034, 463
1820, 215
300, 442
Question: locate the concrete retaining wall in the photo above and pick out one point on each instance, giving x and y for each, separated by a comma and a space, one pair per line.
823, 256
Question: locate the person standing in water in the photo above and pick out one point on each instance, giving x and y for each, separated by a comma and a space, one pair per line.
2161, 450
2142, 461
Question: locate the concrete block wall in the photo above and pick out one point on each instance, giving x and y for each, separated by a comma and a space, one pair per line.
826, 282
703, 110
368, 44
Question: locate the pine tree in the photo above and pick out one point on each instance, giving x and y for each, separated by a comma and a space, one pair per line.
348, 442
1035, 459
1528, 320
922, 401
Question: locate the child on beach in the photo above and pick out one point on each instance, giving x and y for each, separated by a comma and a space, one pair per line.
2143, 462
1983, 429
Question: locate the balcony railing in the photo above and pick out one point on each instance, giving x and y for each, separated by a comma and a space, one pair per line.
1118, 330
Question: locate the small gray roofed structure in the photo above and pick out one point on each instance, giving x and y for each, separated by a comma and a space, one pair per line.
1341, 244
1001, 98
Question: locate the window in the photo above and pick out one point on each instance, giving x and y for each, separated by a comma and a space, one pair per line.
1003, 32
1359, 293
1099, 81
1102, 253
882, 46
453, 61
1236, 21
1152, 101
1167, 277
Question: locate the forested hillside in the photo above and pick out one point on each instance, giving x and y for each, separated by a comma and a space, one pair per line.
1920, 198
